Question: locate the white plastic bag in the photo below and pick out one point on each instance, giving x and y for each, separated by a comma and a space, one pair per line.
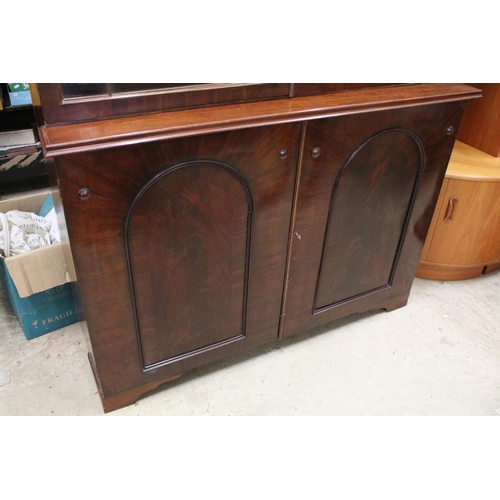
21, 232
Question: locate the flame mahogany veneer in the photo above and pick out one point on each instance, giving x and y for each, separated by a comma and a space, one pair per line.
198, 233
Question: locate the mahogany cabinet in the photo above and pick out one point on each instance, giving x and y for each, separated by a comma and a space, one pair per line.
201, 232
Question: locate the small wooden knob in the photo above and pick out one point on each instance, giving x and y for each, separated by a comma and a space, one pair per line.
84, 194
315, 152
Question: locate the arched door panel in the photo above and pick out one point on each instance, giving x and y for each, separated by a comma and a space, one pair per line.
369, 211
188, 239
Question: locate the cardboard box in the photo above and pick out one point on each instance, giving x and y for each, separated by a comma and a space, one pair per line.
19, 94
38, 283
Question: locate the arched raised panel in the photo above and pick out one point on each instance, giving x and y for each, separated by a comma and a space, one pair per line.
369, 213
187, 237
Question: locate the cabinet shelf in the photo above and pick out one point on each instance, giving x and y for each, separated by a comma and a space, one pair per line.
26, 170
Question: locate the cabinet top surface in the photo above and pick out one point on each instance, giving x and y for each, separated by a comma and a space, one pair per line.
64, 139
471, 164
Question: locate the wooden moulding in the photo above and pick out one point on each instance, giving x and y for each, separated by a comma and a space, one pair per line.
445, 272
64, 139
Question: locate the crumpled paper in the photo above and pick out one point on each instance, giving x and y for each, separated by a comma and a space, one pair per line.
21, 232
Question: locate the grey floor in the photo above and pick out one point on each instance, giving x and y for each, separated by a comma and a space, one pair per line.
440, 355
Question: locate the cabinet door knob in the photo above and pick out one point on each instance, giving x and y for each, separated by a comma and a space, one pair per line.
84, 194
315, 152
282, 154
449, 210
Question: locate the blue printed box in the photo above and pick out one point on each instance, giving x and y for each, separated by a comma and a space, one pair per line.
19, 94
42, 312
38, 283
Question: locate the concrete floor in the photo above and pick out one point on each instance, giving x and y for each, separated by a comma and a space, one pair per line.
439, 355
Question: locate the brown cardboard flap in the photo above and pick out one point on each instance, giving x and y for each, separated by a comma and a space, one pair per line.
24, 203
41, 269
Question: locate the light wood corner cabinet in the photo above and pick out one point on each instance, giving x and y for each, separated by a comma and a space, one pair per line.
464, 237
207, 219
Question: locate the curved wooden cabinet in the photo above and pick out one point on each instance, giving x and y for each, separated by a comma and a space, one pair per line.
464, 239
200, 233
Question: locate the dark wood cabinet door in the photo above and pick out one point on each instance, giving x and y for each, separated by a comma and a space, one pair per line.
188, 234
368, 187
180, 248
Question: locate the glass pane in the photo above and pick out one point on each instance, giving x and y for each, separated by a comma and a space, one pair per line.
83, 89
137, 87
